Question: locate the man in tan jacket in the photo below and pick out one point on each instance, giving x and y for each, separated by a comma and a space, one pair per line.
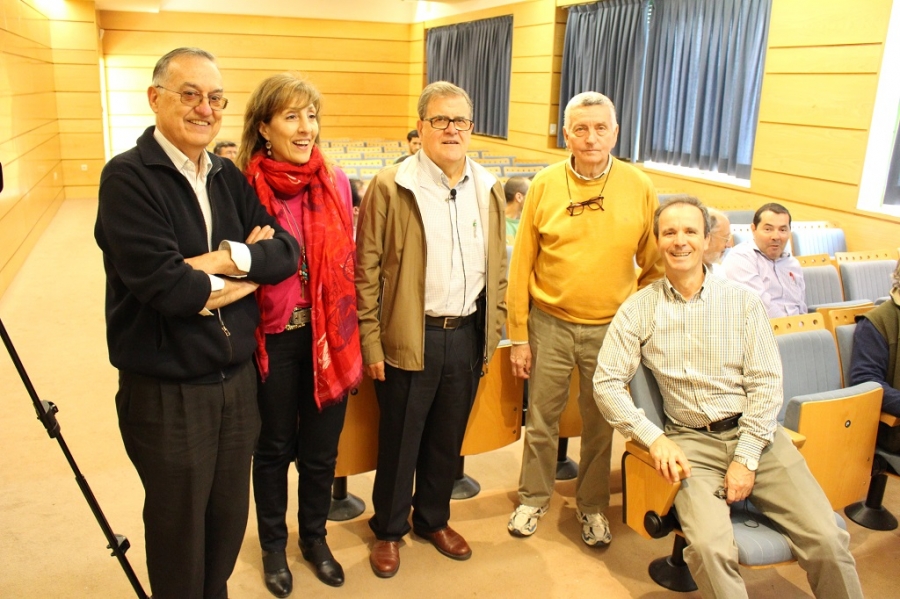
431, 286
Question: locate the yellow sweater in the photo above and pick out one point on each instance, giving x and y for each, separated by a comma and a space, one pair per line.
581, 268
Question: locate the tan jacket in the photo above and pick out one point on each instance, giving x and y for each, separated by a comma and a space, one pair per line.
390, 266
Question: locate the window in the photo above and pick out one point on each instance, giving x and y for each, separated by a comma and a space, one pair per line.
879, 189
476, 56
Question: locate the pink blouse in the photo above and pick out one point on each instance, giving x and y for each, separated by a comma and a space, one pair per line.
281, 299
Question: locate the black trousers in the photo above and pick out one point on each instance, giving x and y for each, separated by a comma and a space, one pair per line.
423, 421
191, 446
293, 429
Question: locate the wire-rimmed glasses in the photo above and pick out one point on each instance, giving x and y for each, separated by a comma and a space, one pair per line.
193, 98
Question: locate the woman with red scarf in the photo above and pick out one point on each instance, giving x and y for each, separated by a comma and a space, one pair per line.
308, 355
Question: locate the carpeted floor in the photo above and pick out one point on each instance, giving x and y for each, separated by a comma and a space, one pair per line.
51, 546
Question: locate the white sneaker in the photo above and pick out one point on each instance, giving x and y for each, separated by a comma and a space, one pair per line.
523, 521
594, 528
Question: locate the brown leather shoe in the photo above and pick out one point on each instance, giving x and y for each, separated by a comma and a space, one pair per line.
385, 558
449, 542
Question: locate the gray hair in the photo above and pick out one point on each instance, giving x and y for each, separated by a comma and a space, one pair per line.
685, 199
161, 70
441, 89
714, 217
589, 99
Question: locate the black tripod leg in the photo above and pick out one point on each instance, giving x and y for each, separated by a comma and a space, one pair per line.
46, 413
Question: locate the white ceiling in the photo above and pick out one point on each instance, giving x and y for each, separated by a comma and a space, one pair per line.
390, 11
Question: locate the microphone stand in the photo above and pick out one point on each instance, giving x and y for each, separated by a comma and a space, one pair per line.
46, 413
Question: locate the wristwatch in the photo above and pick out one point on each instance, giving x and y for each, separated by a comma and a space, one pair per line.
750, 463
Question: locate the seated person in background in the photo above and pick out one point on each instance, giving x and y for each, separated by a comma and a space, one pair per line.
515, 190
762, 265
721, 430
226, 149
720, 239
413, 143
875, 358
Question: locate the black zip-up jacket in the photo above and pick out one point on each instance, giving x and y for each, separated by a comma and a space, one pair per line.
148, 222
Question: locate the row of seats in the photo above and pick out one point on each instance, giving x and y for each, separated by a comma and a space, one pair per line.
869, 513
362, 159
850, 278
366, 168
807, 237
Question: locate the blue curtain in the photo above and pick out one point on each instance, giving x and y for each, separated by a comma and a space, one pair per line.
604, 52
703, 80
477, 57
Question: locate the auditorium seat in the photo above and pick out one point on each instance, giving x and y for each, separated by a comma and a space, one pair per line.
824, 240
870, 513
867, 275
823, 289
523, 170
740, 217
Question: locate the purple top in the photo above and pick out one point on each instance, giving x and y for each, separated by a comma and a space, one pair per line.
779, 283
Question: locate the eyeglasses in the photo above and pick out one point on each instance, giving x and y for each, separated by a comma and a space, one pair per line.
725, 238
191, 98
442, 122
595, 203
576, 208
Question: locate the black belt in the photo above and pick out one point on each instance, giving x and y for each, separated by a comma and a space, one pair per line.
720, 426
449, 322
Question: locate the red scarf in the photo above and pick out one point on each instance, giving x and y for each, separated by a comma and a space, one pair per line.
330, 255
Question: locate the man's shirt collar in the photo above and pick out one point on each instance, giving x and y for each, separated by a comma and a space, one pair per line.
179, 158
571, 165
436, 174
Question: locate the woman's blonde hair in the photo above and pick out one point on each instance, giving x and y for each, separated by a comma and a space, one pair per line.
272, 96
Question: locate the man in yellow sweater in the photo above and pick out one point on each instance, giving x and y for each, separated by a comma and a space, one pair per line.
586, 222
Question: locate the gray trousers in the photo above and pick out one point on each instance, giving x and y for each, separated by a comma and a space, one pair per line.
785, 491
557, 347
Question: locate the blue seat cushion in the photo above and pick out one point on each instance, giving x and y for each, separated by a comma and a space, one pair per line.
759, 540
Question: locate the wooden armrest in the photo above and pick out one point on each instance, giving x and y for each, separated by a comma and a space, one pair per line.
796, 438
645, 490
890, 419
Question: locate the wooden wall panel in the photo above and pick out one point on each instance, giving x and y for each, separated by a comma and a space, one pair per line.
244, 25
78, 78
246, 46
807, 23
817, 152
49, 105
363, 70
864, 58
821, 100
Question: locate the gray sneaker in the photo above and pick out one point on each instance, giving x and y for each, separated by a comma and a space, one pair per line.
523, 521
594, 528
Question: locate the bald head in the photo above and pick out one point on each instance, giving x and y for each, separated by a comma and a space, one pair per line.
719, 237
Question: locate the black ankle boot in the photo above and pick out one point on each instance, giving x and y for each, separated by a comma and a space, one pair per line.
316, 552
278, 577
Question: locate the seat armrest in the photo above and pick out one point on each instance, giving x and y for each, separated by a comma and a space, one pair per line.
644, 490
890, 419
796, 438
